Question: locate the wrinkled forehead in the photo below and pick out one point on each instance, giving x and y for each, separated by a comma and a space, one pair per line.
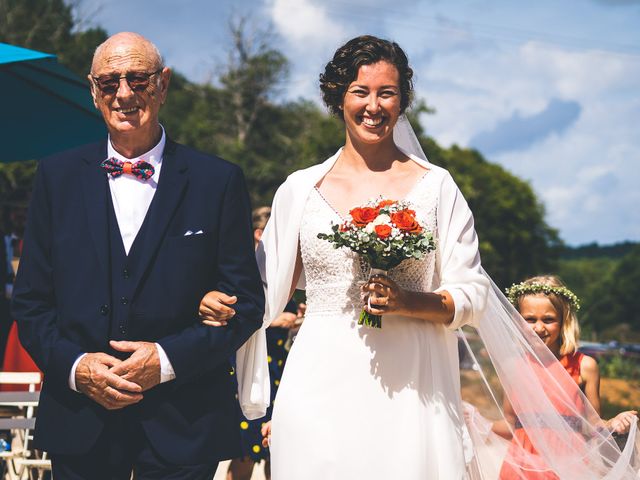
125, 57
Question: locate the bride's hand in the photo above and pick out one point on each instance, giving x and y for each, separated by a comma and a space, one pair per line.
383, 296
213, 309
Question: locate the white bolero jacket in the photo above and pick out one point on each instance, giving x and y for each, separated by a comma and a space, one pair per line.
457, 266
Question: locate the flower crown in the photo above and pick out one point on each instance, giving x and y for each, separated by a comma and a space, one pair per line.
519, 289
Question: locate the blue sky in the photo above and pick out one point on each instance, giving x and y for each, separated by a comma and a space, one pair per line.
548, 89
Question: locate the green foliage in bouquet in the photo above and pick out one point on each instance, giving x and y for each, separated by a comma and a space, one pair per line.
384, 233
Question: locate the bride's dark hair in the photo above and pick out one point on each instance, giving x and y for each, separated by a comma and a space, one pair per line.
363, 50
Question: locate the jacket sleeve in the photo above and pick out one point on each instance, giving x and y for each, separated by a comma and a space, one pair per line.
199, 348
459, 260
34, 303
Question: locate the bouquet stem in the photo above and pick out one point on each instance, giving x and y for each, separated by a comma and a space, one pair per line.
369, 319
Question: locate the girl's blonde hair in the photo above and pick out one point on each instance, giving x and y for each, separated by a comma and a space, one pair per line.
570, 328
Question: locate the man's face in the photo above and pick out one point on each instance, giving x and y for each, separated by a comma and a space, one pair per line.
128, 87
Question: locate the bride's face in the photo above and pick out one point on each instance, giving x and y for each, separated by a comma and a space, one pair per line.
372, 103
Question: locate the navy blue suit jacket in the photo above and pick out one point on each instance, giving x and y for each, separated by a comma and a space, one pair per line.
62, 294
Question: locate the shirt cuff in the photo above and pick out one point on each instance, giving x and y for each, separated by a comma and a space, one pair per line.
72, 375
166, 369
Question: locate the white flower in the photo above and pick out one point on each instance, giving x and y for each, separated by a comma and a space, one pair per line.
370, 228
381, 219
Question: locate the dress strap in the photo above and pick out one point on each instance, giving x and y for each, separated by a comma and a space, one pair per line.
571, 363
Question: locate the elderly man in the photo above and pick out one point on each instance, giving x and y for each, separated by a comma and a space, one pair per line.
123, 239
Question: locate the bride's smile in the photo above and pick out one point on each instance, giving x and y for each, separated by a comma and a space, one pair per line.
372, 103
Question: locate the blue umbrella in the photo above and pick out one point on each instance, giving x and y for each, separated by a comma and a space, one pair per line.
45, 107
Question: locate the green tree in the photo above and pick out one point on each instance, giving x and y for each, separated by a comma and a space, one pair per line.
616, 304
50, 26
607, 281
515, 240
237, 117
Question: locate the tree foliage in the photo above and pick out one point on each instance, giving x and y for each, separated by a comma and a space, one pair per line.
515, 240
50, 26
237, 116
610, 290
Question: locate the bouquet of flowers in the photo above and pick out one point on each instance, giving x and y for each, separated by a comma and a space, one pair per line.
384, 233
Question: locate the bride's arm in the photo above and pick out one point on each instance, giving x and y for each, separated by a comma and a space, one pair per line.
433, 307
461, 295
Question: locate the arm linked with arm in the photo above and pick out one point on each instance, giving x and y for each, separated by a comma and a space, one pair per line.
199, 348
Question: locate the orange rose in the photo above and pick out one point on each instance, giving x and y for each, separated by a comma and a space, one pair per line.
386, 203
383, 231
406, 221
364, 215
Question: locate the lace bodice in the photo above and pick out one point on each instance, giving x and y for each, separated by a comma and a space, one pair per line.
334, 276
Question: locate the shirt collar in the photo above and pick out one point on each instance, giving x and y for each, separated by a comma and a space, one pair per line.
153, 156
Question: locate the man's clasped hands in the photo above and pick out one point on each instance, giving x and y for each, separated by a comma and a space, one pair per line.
115, 383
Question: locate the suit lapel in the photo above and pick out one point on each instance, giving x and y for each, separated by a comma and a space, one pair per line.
95, 190
171, 186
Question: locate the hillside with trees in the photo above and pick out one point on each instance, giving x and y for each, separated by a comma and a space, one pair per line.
607, 279
238, 117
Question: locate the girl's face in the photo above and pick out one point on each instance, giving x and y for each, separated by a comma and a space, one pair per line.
372, 103
543, 319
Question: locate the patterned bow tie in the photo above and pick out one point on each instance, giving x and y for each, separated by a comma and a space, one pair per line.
115, 168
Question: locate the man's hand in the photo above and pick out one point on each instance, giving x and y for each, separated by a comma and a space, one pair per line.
213, 309
96, 381
142, 367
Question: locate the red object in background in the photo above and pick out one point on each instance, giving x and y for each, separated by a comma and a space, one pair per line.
16, 359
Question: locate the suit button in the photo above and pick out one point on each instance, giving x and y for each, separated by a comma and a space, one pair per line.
123, 330
124, 300
125, 274
104, 310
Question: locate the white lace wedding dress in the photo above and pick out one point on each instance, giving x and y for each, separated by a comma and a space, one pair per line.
363, 403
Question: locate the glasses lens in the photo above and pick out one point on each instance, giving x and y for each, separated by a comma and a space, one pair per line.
108, 84
138, 80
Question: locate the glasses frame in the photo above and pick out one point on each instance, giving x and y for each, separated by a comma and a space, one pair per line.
96, 82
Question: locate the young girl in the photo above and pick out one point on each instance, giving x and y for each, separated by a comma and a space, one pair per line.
549, 308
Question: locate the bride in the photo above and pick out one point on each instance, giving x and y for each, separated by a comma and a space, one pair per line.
357, 402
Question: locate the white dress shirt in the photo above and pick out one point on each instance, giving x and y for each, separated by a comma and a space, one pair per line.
131, 199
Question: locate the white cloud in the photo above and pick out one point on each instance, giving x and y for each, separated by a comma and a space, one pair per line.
588, 176
305, 25
311, 37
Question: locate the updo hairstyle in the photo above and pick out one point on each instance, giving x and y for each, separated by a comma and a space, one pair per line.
364, 50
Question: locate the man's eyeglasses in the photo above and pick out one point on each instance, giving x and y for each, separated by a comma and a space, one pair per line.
137, 81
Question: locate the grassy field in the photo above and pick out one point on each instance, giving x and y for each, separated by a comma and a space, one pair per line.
616, 395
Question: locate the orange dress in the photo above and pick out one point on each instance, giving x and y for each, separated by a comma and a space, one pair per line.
16, 359
522, 461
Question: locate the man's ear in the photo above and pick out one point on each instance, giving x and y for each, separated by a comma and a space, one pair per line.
92, 86
165, 80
